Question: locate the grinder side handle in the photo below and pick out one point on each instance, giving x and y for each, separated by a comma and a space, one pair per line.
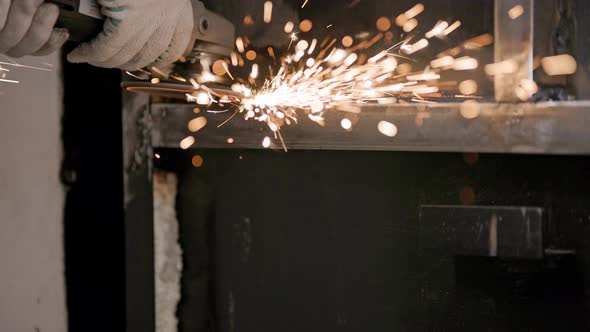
82, 18
82, 28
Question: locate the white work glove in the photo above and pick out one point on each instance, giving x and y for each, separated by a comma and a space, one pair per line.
139, 33
27, 28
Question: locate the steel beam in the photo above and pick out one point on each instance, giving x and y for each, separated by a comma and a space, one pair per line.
513, 43
139, 214
544, 128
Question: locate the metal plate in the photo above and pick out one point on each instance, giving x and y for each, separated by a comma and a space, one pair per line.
505, 232
544, 128
171, 90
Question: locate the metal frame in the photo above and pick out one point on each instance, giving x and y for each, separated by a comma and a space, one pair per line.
545, 128
139, 216
548, 128
513, 41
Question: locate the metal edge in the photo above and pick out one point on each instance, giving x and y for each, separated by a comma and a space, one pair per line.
544, 128
139, 218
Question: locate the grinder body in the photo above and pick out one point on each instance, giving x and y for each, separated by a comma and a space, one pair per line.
82, 18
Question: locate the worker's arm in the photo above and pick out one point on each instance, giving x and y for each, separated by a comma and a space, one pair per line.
27, 28
140, 33
136, 34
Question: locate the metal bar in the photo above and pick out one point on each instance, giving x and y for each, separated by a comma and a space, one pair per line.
514, 43
139, 218
544, 128
486, 231
580, 23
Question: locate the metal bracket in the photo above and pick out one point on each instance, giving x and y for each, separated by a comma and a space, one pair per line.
513, 43
505, 232
213, 34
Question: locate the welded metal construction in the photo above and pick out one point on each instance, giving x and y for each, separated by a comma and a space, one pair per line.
556, 128
543, 128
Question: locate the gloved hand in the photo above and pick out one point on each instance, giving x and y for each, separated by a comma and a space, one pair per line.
27, 28
139, 33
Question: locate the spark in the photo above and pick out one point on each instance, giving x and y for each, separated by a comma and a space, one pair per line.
346, 124
387, 128
452, 28
312, 47
227, 70
186, 143
254, 73
201, 98
234, 59
159, 72
302, 45
240, 44
319, 77
501, 68
410, 25
178, 78
9, 81
198, 161
442, 62
293, 38
438, 29
194, 83
305, 26
468, 87
465, 63
415, 11
479, 42
268, 11
289, 26
197, 124
383, 24
411, 49
304, 4
248, 20
526, 89
559, 65
470, 109
347, 41
516, 12
18, 65
251, 55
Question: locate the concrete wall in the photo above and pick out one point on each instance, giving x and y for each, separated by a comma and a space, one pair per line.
32, 291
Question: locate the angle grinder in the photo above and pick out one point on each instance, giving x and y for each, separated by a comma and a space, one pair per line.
213, 38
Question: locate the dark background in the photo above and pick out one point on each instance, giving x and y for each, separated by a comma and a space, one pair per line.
94, 229
320, 240
329, 241
325, 240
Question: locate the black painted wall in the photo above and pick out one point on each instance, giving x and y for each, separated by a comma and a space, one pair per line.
329, 241
93, 221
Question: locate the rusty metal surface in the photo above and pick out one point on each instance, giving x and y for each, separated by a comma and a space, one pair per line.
545, 128
139, 218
